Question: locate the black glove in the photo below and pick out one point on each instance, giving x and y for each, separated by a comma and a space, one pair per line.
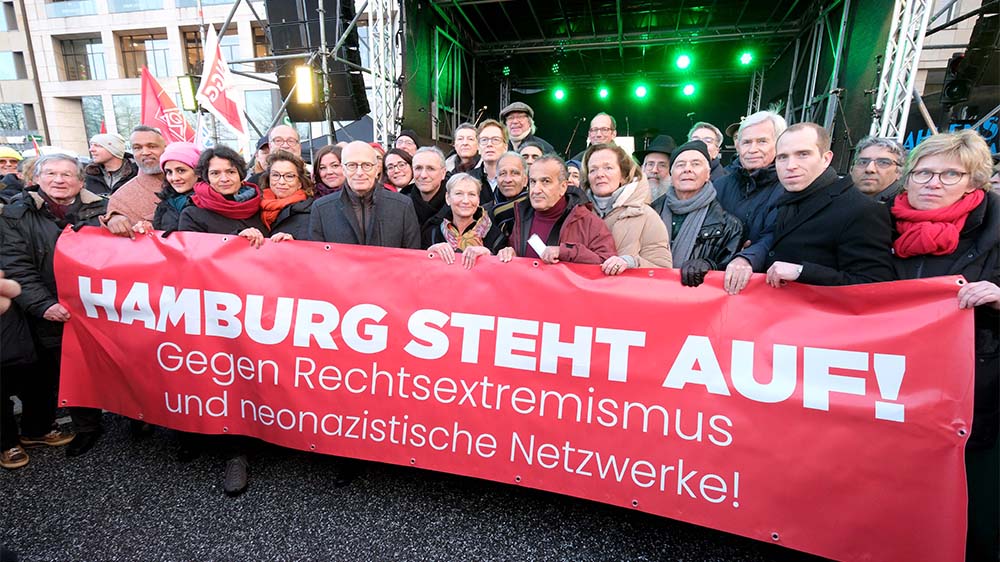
693, 272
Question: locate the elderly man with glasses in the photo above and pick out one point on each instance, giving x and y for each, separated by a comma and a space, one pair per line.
877, 169
364, 213
712, 137
520, 121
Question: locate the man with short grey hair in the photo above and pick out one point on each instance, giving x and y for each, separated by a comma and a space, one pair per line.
878, 168
427, 190
712, 137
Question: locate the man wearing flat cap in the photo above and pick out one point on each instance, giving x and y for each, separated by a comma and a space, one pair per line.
112, 165
656, 164
520, 121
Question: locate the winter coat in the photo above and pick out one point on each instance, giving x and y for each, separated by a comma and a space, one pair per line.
12, 186
546, 146
392, 223
977, 258
166, 217
424, 209
97, 183
196, 219
637, 229
29, 234
718, 170
582, 237
749, 197
720, 237
294, 220
838, 235
494, 241
502, 212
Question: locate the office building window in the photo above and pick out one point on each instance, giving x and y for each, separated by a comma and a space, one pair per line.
8, 21
146, 49
260, 49
12, 66
195, 59
128, 112
93, 114
83, 59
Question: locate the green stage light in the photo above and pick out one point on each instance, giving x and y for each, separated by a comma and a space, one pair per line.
640, 91
559, 94
688, 89
506, 71
683, 62
746, 58
603, 93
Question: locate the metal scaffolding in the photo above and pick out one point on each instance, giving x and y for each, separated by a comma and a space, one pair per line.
899, 70
386, 53
756, 89
818, 105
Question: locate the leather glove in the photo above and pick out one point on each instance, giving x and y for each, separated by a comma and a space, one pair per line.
693, 272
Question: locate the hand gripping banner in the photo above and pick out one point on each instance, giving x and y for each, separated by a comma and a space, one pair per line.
827, 420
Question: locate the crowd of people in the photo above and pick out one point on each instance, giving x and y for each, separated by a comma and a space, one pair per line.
777, 209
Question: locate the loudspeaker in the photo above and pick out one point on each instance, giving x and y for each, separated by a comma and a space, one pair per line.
957, 86
294, 28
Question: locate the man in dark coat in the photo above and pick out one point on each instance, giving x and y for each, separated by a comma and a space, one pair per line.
364, 214
512, 187
31, 225
750, 191
826, 232
112, 166
712, 137
427, 191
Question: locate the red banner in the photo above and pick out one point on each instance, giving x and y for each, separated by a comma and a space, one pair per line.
159, 111
828, 420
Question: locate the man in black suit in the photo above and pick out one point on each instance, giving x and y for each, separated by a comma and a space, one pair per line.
825, 231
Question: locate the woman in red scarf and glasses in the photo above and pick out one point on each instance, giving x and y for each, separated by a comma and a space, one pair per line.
223, 202
947, 222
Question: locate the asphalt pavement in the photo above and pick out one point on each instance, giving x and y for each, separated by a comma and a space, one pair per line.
132, 500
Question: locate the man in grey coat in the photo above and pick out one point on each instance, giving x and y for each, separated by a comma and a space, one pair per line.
364, 213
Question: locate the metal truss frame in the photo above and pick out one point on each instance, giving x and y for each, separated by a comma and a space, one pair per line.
899, 71
453, 65
386, 53
756, 90
816, 43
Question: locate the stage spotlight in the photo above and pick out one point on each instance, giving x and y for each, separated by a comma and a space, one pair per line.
688, 90
304, 91
559, 94
640, 91
187, 88
603, 93
746, 58
683, 62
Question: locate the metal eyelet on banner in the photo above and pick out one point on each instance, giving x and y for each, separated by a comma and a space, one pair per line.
430, 256
774, 536
650, 272
961, 432
960, 282
327, 247
312, 447
225, 238
635, 503
534, 263
517, 478
225, 430
63, 402
413, 461
140, 416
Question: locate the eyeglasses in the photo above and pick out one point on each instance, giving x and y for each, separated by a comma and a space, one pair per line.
880, 163
486, 141
352, 167
947, 177
394, 167
284, 142
706, 140
603, 130
289, 177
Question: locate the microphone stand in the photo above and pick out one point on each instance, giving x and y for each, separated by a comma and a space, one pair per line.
573, 136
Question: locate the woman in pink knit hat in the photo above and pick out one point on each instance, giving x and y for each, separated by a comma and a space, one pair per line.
178, 163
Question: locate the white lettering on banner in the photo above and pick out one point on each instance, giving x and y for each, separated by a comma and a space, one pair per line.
518, 343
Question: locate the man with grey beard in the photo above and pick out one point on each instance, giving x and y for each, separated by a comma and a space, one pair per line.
656, 164
137, 199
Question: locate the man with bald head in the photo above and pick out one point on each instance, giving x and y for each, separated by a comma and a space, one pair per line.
364, 213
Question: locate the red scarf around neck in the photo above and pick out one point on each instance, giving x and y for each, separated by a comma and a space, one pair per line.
242, 207
934, 232
271, 205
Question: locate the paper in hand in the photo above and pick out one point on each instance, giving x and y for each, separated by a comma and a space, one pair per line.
536, 244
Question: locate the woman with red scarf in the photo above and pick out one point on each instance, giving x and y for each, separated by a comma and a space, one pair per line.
287, 197
947, 222
223, 203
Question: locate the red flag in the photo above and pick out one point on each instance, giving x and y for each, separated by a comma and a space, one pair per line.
104, 127
216, 93
34, 144
159, 111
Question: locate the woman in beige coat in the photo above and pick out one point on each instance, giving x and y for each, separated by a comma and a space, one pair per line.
620, 193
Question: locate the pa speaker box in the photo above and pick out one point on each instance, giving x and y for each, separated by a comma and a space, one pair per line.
294, 28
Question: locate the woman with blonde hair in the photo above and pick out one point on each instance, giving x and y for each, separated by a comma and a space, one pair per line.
947, 222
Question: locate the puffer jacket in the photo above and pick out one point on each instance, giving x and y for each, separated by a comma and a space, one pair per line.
720, 238
637, 229
97, 184
29, 234
582, 238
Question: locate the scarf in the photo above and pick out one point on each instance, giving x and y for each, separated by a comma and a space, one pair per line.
323, 189
788, 203
180, 201
695, 210
934, 232
58, 210
271, 205
242, 205
472, 236
603, 205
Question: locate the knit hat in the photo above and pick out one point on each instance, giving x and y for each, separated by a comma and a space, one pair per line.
695, 145
184, 152
574, 164
409, 133
111, 142
8, 152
